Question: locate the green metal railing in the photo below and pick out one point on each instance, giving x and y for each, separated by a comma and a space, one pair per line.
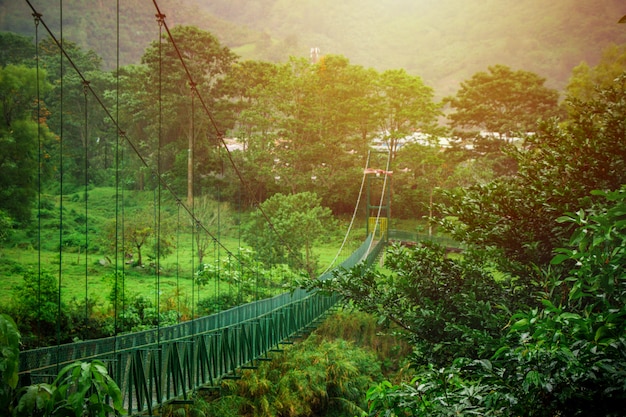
160, 365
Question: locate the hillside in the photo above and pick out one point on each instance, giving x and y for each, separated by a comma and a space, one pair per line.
443, 41
92, 24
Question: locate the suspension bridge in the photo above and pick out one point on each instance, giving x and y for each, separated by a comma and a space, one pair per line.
170, 362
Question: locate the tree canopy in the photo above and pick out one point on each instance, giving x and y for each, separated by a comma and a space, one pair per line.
22, 136
544, 338
559, 166
285, 228
502, 102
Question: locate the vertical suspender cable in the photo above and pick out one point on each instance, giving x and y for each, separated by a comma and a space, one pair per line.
60, 182
356, 209
120, 165
117, 361
155, 220
382, 199
117, 169
178, 262
122, 227
193, 269
85, 90
239, 295
190, 196
216, 283
219, 197
160, 18
37, 17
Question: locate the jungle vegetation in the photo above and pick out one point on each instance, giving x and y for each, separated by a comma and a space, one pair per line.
528, 321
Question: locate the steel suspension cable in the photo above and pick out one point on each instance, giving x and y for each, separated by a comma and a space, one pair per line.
382, 199
86, 167
117, 170
193, 205
177, 262
160, 20
58, 324
192, 202
356, 209
221, 138
37, 17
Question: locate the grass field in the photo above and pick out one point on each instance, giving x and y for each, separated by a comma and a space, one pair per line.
91, 276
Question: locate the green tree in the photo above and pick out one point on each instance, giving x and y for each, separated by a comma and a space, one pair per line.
479, 352
16, 49
143, 228
166, 95
36, 306
421, 170
285, 226
304, 127
213, 217
9, 359
443, 306
83, 120
310, 148
559, 166
135, 116
500, 102
251, 85
323, 121
404, 106
20, 133
585, 82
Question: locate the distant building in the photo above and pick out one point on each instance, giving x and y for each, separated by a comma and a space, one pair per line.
315, 55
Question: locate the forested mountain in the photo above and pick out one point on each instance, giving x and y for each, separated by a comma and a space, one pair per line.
92, 24
443, 41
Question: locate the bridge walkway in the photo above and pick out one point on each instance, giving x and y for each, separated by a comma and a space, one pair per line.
167, 364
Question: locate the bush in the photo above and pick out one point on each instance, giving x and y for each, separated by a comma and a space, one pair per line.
314, 377
566, 357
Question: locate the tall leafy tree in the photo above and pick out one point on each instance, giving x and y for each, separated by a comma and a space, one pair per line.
252, 88
420, 170
502, 102
20, 131
167, 94
586, 81
304, 125
70, 102
251, 85
558, 168
332, 145
405, 106
286, 228
16, 49
324, 121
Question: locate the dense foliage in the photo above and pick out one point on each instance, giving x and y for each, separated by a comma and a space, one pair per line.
505, 328
559, 166
548, 336
286, 226
478, 349
80, 389
322, 375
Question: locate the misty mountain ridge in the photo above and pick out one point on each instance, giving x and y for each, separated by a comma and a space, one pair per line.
443, 41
